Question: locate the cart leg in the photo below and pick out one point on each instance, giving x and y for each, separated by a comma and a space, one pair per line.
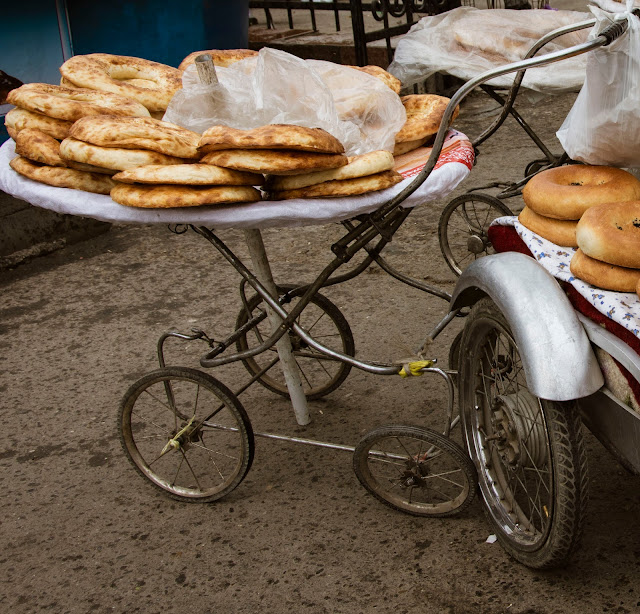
262, 269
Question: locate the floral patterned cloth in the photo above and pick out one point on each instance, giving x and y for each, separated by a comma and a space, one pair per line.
621, 307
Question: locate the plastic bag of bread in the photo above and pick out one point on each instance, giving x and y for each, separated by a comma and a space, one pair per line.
603, 126
467, 41
275, 87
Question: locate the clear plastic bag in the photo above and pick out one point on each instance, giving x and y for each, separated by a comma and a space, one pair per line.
603, 126
466, 42
276, 87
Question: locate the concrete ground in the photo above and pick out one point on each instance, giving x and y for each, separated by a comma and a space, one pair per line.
83, 532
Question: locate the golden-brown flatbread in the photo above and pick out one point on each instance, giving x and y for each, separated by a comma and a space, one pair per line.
220, 57
402, 148
274, 161
189, 174
18, 119
167, 196
272, 136
90, 168
72, 104
603, 275
387, 78
345, 187
137, 133
115, 158
39, 147
358, 166
63, 177
560, 232
424, 115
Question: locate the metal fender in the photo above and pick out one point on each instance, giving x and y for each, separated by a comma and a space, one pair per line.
558, 360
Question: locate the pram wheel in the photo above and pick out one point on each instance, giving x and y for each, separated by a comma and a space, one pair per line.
186, 433
320, 374
463, 226
529, 453
415, 470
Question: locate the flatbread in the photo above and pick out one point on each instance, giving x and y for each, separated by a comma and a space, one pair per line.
424, 115
560, 232
272, 136
274, 161
188, 174
39, 147
604, 275
220, 57
63, 177
167, 196
358, 166
137, 133
345, 187
90, 168
115, 158
402, 148
387, 78
18, 119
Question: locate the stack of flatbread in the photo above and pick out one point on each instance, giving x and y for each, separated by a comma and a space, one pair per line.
424, 116
300, 162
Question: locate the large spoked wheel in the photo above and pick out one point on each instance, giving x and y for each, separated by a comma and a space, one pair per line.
415, 470
529, 453
186, 433
319, 373
463, 228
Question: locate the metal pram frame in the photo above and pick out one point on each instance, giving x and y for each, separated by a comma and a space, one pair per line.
419, 471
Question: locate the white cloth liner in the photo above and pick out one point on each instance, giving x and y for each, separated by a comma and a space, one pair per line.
262, 214
621, 307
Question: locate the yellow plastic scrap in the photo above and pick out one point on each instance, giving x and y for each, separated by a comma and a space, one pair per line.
415, 368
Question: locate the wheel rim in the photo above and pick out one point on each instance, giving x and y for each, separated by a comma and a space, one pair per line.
185, 437
319, 373
507, 434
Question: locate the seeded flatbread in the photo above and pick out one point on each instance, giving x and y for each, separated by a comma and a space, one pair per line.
274, 161
39, 147
358, 166
345, 187
167, 196
273, 136
137, 133
188, 174
62, 177
424, 115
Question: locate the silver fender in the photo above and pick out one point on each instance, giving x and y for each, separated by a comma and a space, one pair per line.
558, 360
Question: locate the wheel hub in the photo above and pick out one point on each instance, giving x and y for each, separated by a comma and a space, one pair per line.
476, 244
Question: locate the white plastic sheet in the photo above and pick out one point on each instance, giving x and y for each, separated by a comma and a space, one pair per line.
603, 126
468, 41
279, 88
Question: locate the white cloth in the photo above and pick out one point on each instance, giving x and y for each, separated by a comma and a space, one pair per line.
621, 307
262, 214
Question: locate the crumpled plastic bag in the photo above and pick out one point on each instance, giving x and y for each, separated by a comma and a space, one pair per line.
603, 126
466, 42
276, 87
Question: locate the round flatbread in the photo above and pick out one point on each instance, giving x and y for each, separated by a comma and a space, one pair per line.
358, 166
113, 158
273, 136
424, 115
559, 232
137, 133
220, 57
400, 149
18, 119
39, 147
63, 177
345, 187
188, 174
274, 161
387, 78
604, 275
167, 196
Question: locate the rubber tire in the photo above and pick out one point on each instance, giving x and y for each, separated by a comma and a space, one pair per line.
231, 403
445, 218
431, 438
566, 455
341, 324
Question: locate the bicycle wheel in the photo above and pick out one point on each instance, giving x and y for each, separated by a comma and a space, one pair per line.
415, 470
463, 226
529, 453
186, 433
319, 373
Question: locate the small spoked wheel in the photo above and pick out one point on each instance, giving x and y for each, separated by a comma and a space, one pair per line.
186, 433
320, 374
415, 470
463, 228
529, 453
